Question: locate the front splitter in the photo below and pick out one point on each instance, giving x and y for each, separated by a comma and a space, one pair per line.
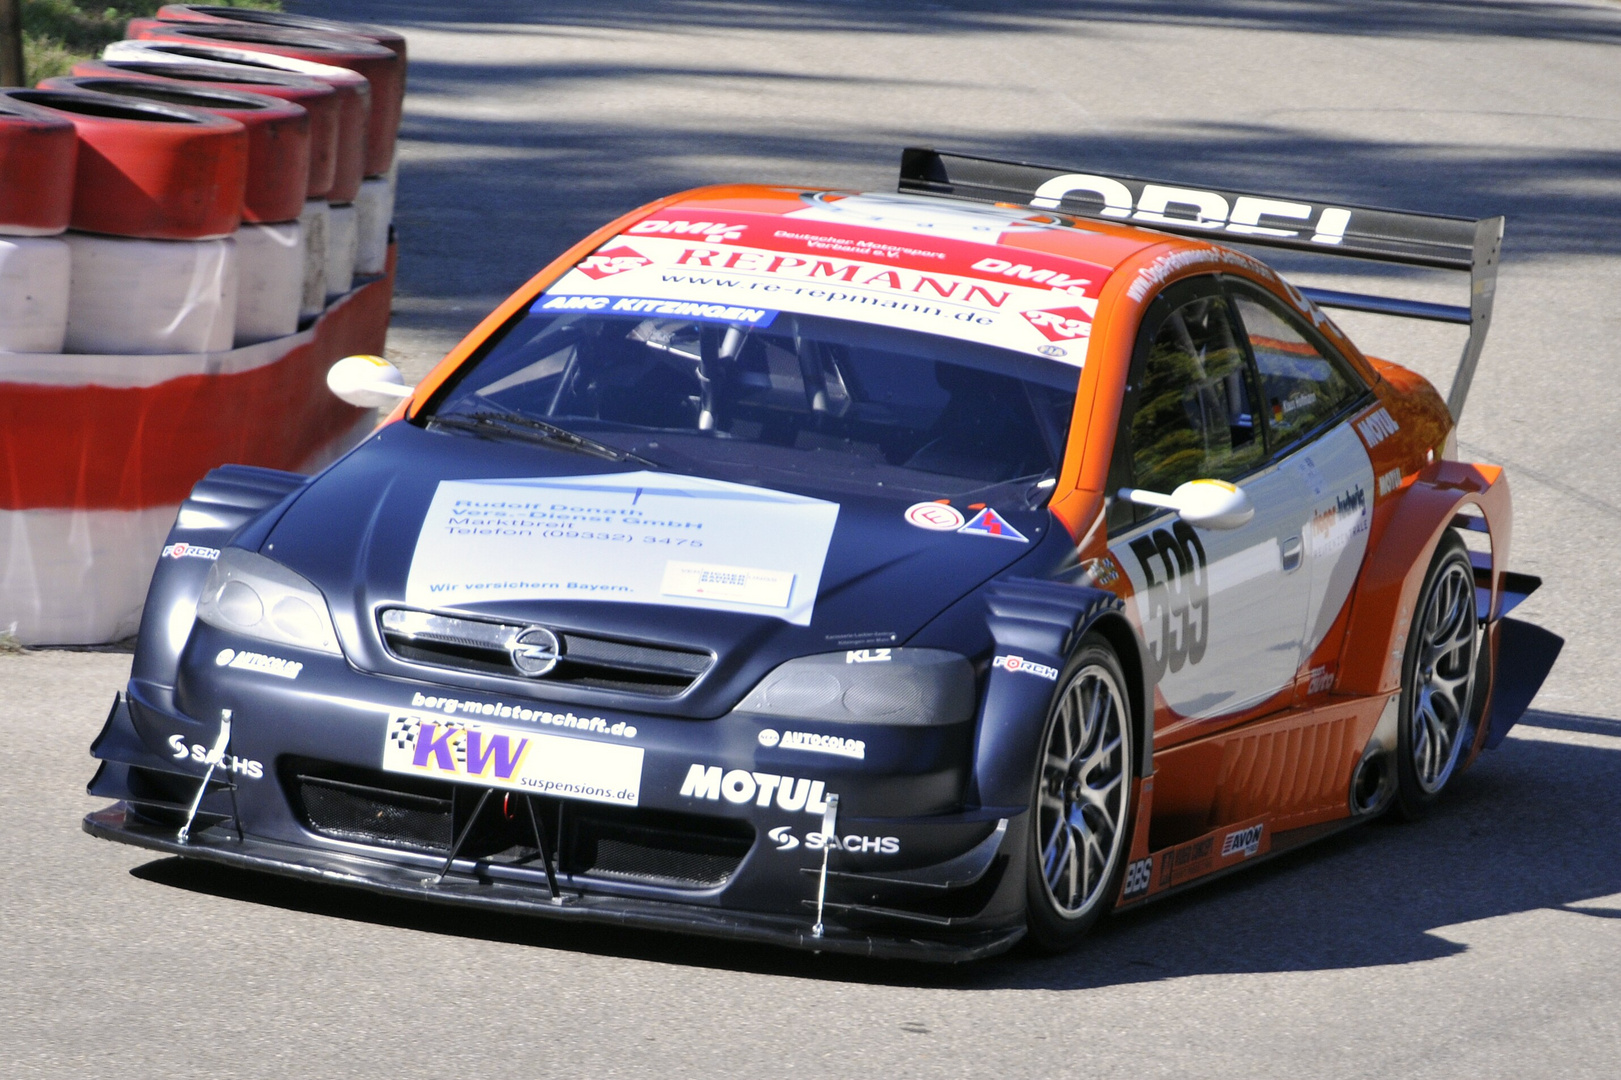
463, 890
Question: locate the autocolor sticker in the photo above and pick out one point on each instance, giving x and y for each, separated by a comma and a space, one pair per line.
639, 537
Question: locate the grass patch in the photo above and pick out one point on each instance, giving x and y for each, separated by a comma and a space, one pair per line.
59, 33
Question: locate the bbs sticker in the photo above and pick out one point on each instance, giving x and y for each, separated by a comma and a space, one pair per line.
1178, 596
1138, 875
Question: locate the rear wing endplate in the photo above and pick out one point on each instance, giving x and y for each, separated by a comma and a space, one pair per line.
1393, 236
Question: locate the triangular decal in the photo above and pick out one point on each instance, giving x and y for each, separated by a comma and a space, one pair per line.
989, 523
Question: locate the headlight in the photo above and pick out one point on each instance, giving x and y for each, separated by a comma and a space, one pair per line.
869, 686
252, 595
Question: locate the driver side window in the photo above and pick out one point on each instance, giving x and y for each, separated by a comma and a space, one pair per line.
1195, 415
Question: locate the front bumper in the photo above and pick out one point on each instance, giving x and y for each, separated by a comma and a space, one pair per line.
937, 883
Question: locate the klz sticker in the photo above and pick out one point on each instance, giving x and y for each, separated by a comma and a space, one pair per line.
1178, 596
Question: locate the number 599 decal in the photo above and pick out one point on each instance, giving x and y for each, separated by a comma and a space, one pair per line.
1178, 596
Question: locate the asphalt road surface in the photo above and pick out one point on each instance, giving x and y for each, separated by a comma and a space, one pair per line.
1483, 942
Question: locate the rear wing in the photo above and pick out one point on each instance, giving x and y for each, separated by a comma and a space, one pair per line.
1393, 236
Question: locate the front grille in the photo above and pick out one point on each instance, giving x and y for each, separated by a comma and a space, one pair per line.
484, 647
679, 850
365, 814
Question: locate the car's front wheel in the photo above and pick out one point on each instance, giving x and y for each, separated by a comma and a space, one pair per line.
1081, 804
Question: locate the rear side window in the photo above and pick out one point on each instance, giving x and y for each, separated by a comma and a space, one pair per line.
1196, 410
1302, 385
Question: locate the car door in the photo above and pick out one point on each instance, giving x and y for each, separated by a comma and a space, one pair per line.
1221, 611
1311, 395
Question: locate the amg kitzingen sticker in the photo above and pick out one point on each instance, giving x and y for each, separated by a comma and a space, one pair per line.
493, 755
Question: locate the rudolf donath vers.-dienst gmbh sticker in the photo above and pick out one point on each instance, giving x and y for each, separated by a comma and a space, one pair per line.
494, 755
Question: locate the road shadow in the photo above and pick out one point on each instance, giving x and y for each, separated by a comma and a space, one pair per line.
1534, 825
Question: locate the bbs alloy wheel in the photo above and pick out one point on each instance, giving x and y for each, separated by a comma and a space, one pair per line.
1081, 805
1438, 679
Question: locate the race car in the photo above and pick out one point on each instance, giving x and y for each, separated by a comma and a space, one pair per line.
899, 574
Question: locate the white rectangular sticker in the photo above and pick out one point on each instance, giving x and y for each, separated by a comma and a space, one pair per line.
494, 755
641, 537
740, 584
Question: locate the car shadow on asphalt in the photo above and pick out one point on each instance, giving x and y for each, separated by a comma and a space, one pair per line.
1534, 825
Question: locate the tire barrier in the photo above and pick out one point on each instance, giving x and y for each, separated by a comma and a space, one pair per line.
37, 154
270, 281
392, 40
352, 90
315, 224
135, 297
374, 208
382, 68
33, 293
149, 170
278, 136
315, 97
342, 242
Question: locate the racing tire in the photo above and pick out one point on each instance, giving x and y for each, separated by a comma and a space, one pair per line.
270, 282
34, 275
130, 297
1080, 805
380, 66
352, 89
342, 242
1439, 672
375, 209
392, 40
278, 136
316, 98
148, 170
312, 224
37, 153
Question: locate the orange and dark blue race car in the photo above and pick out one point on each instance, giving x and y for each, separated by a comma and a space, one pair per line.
901, 574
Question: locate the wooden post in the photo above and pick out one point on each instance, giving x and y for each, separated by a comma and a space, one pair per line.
11, 43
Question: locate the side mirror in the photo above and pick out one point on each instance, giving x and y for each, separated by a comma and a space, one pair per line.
369, 382
1205, 504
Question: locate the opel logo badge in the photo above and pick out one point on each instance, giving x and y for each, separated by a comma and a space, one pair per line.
535, 651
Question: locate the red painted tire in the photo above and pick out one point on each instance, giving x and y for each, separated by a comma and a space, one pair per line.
388, 39
381, 67
352, 89
149, 170
316, 98
278, 136
37, 154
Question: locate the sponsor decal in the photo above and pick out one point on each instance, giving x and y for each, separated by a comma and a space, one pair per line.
517, 759
1376, 427
690, 310
1053, 351
1061, 324
1321, 678
936, 517
1165, 267
190, 551
860, 637
611, 261
1102, 572
1176, 597
1187, 861
868, 656
783, 836
1138, 875
246, 767
714, 232
740, 786
812, 743
1387, 483
639, 537
769, 737
1245, 841
500, 710
989, 523
1025, 667
1200, 209
1331, 529
260, 662
1048, 276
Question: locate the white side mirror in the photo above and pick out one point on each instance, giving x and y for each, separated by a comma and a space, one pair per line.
369, 382
1206, 504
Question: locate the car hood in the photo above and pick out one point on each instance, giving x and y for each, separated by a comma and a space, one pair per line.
371, 533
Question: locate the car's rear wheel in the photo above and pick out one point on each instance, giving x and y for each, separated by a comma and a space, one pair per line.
1081, 804
1438, 680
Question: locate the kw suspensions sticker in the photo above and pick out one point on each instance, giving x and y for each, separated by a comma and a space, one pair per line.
745, 267
641, 537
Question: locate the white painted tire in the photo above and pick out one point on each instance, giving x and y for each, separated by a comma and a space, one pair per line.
375, 207
34, 272
150, 296
313, 223
342, 239
270, 281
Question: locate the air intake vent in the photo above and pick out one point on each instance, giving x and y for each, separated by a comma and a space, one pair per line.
373, 815
487, 647
676, 850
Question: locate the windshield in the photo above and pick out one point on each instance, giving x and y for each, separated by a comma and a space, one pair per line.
831, 400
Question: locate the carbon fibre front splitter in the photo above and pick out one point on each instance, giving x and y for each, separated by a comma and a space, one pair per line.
463, 890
